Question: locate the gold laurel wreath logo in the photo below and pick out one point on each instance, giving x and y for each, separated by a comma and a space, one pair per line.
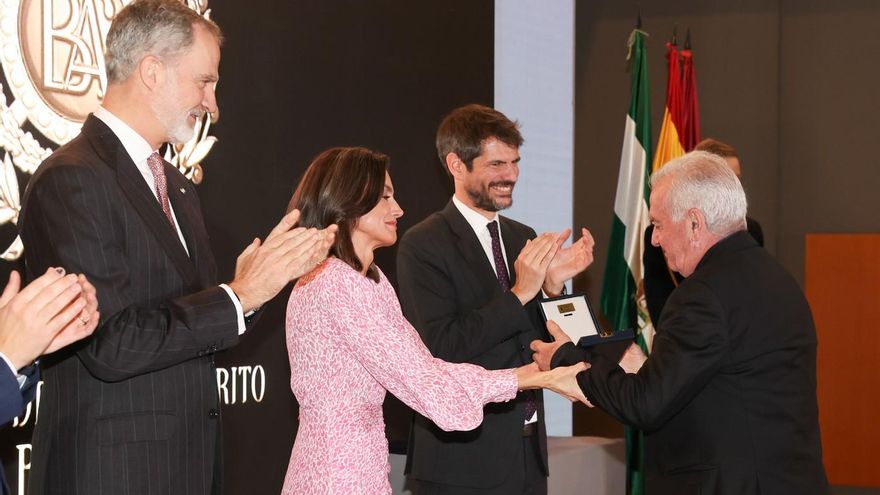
86, 20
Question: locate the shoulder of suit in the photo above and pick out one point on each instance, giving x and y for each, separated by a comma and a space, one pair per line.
88, 171
724, 268
517, 226
75, 154
429, 227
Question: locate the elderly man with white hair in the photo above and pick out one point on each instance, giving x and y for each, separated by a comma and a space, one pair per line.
727, 398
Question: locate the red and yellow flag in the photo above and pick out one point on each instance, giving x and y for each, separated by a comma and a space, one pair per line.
680, 130
690, 131
669, 144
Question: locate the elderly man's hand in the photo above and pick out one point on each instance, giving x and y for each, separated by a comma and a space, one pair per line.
543, 351
633, 359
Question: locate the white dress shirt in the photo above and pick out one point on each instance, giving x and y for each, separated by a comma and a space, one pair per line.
478, 222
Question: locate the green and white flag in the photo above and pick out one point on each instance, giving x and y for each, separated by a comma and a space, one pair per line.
622, 300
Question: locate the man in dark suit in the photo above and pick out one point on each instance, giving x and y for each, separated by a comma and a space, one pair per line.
727, 398
659, 280
135, 409
470, 304
51, 312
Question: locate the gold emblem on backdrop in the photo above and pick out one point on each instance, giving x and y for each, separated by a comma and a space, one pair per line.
52, 54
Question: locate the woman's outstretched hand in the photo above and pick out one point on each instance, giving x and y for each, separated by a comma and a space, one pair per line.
562, 380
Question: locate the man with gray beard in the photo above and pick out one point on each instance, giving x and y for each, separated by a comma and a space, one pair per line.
133, 409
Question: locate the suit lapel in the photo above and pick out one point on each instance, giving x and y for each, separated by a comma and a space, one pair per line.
469, 247
183, 198
133, 186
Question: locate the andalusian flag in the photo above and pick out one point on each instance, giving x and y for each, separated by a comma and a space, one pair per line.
623, 269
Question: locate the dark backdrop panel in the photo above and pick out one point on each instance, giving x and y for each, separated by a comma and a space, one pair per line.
297, 78
828, 113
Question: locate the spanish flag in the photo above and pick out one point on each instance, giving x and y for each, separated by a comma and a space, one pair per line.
690, 134
670, 144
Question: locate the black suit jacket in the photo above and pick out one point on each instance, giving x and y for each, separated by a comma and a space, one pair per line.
134, 408
450, 293
727, 398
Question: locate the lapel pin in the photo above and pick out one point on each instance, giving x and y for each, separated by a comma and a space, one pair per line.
182, 191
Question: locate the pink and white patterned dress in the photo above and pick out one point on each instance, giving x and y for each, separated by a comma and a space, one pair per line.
348, 343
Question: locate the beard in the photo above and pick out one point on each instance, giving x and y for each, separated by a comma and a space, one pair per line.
166, 110
483, 199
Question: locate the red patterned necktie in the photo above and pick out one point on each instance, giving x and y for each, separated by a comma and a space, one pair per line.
504, 280
157, 167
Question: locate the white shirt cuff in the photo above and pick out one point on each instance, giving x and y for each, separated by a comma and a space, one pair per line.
238, 311
564, 292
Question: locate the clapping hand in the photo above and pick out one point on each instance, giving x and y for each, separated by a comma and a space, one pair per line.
51, 312
531, 266
288, 252
84, 324
569, 261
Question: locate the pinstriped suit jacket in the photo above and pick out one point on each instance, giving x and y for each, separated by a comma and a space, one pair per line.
133, 409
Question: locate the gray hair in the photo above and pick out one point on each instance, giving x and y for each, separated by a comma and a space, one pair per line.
703, 181
163, 28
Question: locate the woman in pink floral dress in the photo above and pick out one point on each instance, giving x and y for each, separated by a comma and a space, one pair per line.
349, 343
